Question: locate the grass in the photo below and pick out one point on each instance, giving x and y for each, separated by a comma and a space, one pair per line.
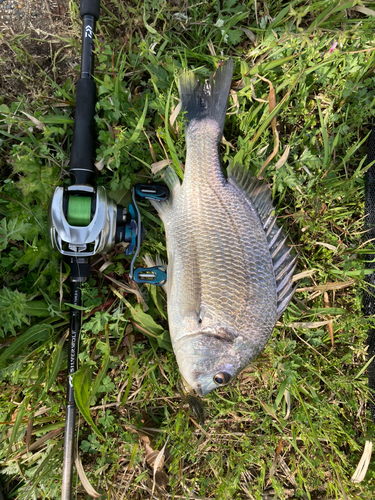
294, 424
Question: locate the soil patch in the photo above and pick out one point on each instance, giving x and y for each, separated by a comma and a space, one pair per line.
32, 48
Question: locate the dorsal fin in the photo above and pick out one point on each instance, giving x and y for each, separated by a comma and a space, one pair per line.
284, 263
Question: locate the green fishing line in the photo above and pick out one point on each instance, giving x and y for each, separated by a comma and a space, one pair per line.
79, 210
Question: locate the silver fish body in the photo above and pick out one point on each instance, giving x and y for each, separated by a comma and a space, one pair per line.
223, 244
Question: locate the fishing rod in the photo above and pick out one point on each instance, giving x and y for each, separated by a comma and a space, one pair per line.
84, 221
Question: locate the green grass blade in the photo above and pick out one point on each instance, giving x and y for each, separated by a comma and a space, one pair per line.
38, 308
17, 423
263, 68
55, 364
312, 427
104, 367
276, 110
33, 334
139, 127
131, 365
280, 394
82, 383
323, 130
170, 143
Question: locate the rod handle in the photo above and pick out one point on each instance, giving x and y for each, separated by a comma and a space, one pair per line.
82, 168
68, 455
90, 7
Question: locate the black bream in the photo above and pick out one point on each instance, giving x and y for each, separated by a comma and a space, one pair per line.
229, 269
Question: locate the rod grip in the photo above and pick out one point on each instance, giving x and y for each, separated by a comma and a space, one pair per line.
82, 168
90, 7
68, 455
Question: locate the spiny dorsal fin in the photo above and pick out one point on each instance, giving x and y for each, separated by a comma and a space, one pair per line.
284, 263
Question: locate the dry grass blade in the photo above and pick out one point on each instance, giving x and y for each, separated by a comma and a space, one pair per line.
158, 464
29, 432
41, 441
159, 165
43, 409
174, 115
155, 459
100, 164
250, 35
330, 327
226, 143
289, 475
363, 464
274, 112
104, 266
280, 162
275, 461
268, 409
150, 147
304, 274
288, 403
50, 435
211, 48
311, 324
364, 10
339, 285
85, 482
236, 104
136, 291
326, 245
35, 121
271, 107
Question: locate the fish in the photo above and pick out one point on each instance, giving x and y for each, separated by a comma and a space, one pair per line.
230, 269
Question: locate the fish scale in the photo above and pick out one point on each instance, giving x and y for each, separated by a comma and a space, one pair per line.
223, 296
216, 225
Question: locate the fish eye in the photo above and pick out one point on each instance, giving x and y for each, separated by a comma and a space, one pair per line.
221, 378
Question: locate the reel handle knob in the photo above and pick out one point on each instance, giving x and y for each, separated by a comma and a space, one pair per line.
156, 192
152, 275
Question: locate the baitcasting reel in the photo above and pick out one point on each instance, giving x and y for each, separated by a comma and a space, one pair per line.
83, 221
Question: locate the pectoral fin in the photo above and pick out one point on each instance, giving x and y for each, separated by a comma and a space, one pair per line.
173, 182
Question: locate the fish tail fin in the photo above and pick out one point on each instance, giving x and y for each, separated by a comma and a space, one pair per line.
208, 100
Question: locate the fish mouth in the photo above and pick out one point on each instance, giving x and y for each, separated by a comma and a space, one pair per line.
188, 389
